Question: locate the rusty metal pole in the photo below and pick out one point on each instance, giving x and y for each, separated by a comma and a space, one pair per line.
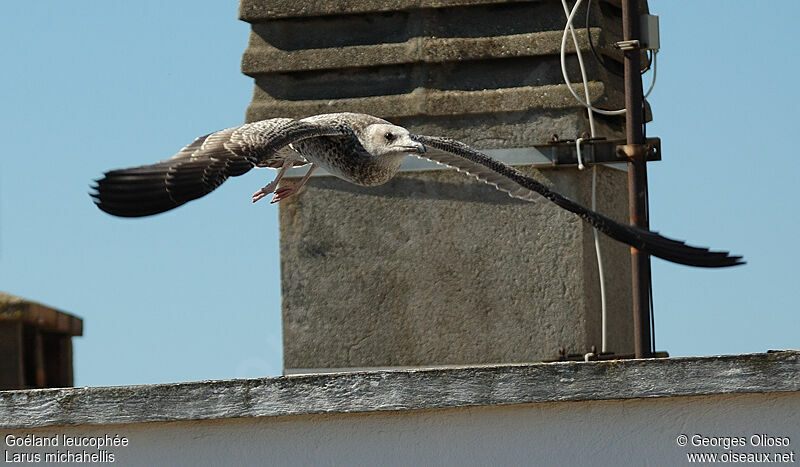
637, 177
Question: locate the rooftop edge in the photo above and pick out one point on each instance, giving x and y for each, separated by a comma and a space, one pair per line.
407, 389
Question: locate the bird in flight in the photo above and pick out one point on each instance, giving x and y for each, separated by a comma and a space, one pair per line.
358, 148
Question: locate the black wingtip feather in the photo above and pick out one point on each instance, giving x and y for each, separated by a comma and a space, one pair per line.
646, 241
144, 191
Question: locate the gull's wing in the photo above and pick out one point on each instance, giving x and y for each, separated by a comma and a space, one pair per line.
202, 166
465, 159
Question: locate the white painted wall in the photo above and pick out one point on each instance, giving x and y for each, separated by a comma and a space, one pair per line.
630, 432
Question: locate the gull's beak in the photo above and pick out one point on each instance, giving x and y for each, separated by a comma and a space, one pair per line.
415, 145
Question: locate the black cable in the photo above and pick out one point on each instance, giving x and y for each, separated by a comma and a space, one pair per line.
652, 321
599, 57
651, 309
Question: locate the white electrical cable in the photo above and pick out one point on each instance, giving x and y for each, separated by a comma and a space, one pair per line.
601, 275
578, 150
600, 270
587, 103
590, 110
569, 28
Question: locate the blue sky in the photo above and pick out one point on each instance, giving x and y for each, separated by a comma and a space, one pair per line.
194, 294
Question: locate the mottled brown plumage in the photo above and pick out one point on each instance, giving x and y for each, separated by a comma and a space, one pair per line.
359, 148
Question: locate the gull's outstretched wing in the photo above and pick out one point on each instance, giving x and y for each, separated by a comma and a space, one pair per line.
465, 159
202, 166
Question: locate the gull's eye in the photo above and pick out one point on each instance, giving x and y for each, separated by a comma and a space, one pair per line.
389, 136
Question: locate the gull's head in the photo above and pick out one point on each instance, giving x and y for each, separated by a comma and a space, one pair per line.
385, 139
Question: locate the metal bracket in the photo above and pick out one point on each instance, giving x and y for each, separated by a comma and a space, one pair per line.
593, 355
557, 153
598, 151
628, 45
637, 151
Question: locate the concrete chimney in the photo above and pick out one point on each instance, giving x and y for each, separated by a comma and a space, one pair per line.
435, 268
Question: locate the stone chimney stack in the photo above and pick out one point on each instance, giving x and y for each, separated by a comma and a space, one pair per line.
435, 268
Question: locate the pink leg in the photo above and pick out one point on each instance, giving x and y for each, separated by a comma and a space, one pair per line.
269, 188
286, 191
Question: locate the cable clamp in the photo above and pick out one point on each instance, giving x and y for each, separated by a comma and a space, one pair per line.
634, 151
628, 45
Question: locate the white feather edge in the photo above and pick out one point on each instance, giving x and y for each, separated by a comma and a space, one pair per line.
482, 174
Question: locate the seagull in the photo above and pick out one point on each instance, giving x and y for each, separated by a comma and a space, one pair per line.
358, 148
